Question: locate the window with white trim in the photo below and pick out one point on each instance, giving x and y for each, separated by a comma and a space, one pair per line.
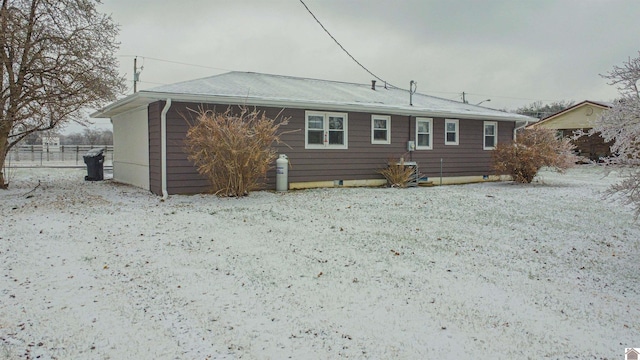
490, 135
325, 130
380, 129
451, 132
424, 133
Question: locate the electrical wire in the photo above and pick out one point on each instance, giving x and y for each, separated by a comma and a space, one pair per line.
175, 62
342, 47
388, 84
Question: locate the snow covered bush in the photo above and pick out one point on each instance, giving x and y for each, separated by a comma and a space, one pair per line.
396, 173
621, 126
233, 150
533, 149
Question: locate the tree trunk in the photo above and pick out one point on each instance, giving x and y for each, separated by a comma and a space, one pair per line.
4, 149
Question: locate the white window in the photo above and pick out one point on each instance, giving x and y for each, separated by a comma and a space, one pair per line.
324, 130
424, 134
490, 135
451, 132
380, 129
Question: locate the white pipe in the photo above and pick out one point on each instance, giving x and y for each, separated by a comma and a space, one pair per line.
163, 148
526, 122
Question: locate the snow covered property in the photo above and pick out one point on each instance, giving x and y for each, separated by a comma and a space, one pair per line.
346, 132
95, 270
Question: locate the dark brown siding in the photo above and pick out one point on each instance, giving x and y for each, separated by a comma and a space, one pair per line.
592, 147
465, 159
360, 161
155, 176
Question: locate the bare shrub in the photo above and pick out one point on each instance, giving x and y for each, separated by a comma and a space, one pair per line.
233, 150
533, 149
397, 173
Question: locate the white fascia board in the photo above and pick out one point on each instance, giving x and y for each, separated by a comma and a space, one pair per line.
120, 106
143, 97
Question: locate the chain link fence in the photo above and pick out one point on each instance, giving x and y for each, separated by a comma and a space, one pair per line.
54, 156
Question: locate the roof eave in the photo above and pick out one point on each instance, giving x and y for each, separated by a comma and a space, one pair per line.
145, 97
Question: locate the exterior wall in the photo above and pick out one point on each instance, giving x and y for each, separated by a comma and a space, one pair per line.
582, 117
465, 159
359, 164
130, 144
155, 173
592, 147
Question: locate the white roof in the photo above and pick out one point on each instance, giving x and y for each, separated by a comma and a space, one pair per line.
257, 89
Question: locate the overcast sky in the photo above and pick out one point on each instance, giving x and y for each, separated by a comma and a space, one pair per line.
513, 52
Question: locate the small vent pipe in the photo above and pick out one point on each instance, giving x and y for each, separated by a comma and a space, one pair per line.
373, 84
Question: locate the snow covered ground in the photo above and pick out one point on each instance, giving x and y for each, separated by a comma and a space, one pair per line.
99, 270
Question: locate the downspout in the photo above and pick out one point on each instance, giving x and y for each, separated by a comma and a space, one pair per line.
163, 148
526, 122
410, 152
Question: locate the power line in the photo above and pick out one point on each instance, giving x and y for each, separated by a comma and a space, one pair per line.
342, 47
175, 62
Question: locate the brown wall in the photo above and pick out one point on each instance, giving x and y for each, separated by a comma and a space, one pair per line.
465, 159
155, 176
592, 147
360, 161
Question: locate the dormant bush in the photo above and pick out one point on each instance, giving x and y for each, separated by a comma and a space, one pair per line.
396, 173
233, 150
533, 149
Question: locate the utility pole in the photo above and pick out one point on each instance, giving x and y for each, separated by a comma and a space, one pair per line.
464, 98
135, 74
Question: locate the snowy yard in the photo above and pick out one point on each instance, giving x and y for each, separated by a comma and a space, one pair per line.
494, 270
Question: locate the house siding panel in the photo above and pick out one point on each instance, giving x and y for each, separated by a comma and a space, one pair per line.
361, 161
155, 176
466, 159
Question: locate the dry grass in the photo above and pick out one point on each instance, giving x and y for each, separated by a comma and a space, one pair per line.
396, 173
234, 150
533, 149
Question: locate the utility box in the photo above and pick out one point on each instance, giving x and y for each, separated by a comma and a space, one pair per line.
94, 159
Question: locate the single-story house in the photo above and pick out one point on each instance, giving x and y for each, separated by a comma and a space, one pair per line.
581, 116
346, 132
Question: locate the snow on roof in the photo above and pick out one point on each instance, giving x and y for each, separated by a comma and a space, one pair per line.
286, 91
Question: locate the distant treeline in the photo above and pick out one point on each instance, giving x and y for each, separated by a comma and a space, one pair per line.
86, 137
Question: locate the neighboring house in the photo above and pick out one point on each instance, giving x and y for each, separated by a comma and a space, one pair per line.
581, 116
347, 132
632, 354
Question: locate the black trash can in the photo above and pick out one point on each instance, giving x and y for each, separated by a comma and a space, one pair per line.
95, 161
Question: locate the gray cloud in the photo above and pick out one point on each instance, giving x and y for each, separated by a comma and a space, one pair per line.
514, 52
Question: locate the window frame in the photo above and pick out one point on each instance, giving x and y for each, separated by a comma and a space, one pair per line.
430, 122
326, 130
387, 129
484, 135
457, 132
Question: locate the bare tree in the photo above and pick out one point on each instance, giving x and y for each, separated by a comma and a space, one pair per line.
621, 125
57, 57
92, 136
538, 110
